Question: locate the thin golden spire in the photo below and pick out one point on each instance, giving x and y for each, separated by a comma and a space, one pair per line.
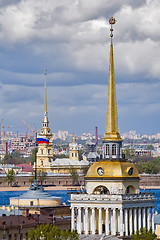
112, 132
45, 95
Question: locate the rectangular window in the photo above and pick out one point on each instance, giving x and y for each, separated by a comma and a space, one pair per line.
26, 236
31, 203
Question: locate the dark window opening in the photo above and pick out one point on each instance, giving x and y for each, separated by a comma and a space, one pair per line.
107, 149
114, 149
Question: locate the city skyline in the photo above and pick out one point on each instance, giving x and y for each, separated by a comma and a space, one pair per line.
70, 39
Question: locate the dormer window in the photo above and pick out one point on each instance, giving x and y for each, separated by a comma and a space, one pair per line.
114, 149
107, 149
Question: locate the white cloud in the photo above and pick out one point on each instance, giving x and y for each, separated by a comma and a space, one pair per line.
71, 39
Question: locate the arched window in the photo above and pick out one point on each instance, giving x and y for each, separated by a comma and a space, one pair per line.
114, 149
107, 149
130, 190
101, 190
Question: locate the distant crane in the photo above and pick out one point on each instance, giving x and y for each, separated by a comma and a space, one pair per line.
2, 134
32, 129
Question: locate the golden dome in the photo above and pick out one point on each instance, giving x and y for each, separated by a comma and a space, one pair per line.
112, 169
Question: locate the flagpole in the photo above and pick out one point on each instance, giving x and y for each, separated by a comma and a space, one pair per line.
36, 158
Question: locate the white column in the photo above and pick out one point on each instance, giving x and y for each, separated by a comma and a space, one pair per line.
130, 222
107, 222
100, 221
93, 221
152, 219
86, 221
144, 217
139, 219
148, 219
72, 219
126, 222
121, 222
135, 220
114, 222
79, 223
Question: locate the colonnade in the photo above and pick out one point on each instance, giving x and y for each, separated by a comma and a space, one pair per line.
111, 221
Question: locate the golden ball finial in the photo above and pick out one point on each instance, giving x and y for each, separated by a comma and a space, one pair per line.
112, 21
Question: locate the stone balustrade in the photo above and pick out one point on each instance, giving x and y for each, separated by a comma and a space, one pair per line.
112, 197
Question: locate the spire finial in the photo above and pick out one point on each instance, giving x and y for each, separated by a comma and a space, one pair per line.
45, 94
112, 21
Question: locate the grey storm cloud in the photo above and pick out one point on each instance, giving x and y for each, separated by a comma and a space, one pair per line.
71, 39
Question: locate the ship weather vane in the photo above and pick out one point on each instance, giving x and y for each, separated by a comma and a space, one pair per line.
112, 21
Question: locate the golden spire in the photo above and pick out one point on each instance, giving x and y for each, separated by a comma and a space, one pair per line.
45, 122
45, 95
112, 132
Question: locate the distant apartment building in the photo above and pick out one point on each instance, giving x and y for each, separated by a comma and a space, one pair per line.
24, 145
143, 152
131, 135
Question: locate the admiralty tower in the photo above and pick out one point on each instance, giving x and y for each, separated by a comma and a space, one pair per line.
112, 203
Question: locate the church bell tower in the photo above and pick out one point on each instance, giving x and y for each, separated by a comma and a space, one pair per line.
45, 145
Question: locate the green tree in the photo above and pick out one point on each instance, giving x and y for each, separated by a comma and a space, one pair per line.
129, 152
41, 176
60, 156
7, 157
144, 234
10, 176
50, 232
149, 167
150, 147
74, 175
81, 151
14, 158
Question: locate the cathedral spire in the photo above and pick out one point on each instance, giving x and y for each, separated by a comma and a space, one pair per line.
112, 132
45, 118
45, 95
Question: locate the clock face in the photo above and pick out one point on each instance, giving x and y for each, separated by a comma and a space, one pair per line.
130, 171
100, 171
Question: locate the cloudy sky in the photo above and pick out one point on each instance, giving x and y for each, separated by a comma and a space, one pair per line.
71, 39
